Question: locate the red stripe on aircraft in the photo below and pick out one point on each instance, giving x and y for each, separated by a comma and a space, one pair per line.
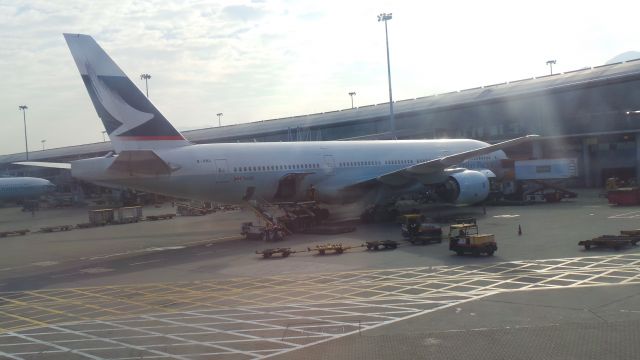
150, 138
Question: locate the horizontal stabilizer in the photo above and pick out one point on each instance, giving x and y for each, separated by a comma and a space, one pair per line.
45, 164
141, 162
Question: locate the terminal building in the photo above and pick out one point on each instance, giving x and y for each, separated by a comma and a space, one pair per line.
591, 114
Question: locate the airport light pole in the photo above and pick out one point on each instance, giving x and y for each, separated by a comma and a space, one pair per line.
219, 116
103, 139
43, 141
24, 108
392, 123
146, 78
351, 94
551, 63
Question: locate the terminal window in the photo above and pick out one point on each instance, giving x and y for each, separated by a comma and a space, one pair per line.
543, 169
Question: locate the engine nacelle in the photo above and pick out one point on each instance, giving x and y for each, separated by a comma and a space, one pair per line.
466, 187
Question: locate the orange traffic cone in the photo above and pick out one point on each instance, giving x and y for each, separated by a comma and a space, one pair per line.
519, 230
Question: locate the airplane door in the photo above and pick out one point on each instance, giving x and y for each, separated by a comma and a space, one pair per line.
329, 163
221, 170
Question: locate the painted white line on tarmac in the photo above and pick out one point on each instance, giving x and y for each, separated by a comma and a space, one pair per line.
45, 263
381, 324
164, 248
95, 270
628, 215
144, 262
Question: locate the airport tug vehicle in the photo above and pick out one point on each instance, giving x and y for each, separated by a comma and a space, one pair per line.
464, 238
416, 230
376, 245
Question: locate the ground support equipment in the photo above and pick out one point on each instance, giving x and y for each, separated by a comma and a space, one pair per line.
268, 253
48, 229
464, 238
330, 248
160, 217
381, 244
416, 230
14, 232
616, 242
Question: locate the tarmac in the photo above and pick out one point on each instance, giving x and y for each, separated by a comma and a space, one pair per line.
191, 288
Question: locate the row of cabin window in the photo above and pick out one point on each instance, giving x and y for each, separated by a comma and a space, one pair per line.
373, 163
398, 162
317, 166
12, 186
276, 167
359, 163
9, 188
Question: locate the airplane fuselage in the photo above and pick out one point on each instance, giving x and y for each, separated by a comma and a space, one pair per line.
233, 172
21, 188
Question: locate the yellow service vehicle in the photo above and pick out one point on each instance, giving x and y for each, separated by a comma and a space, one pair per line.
464, 238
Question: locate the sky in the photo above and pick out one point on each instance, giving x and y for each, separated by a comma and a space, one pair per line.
258, 60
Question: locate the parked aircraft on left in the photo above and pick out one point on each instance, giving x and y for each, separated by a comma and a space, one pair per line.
22, 188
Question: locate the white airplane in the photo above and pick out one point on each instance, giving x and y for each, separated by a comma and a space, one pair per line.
152, 156
22, 188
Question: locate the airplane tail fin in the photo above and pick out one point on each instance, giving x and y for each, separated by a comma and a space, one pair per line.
131, 120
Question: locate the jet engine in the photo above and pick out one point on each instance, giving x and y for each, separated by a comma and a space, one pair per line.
466, 187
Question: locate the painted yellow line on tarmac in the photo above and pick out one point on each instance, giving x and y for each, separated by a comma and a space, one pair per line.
32, 305
31, 322
35, 308
67, 301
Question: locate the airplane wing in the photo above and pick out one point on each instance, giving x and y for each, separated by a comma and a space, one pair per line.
441, 165
448, 161
45, 164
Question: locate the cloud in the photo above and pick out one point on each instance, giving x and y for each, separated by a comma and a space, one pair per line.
243, 13
255, 60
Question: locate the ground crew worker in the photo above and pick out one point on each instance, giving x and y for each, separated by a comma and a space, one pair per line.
312, 192
267, 232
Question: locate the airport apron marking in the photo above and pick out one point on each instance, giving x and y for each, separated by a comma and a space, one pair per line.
253, 318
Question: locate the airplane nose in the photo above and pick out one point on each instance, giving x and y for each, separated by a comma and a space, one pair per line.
50, 186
